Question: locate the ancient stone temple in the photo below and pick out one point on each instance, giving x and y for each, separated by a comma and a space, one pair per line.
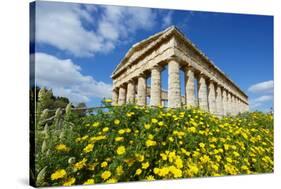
205, 84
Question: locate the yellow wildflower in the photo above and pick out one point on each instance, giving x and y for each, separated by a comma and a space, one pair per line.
138, 171
104, 164
119, 170
153, 120
163, 156
205, 159
218, 157
171, 139
111, 181
236, 154
121, 131
179, 163
215, 167
150, 177
128, 130
140, 157
164, 171
147, 126
156, 170
149, 143
121, 150
96, 124
193, 169
245, 135
79, 165
244, 167
202, 145
116, 121
105, 175
118, 139
176, 172
228, 159
58, 174
89, 181
191, 129
62, 147
145, 165
105, 129
69, 181
150, 136
88, 148
226, 146
230, 169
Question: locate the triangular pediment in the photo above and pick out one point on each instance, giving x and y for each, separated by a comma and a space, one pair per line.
142, 47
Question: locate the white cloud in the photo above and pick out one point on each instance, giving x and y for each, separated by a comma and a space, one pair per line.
260, 101
61, 25
167, 19
264, 98
262, 87
65, 79
254, 105
120, 22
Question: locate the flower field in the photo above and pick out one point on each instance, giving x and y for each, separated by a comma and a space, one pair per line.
130, 143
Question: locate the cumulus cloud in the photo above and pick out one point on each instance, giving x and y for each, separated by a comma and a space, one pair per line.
118, 22
264, 93
167, 19
61, 25
65, 79
260, 101
264, 98
262, 87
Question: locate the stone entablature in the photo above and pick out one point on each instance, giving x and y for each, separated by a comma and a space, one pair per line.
216, 92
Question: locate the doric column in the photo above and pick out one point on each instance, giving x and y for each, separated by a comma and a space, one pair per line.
122, 95
202, 93
229, 103
174, 92
114, 97
235, 106
155, 96
212, 97
232, 104
219, 101
131, 92
189, 87
141, 100
247, 107
243, 107
238, 105
224, 102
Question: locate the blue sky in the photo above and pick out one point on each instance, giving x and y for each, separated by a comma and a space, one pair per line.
79, 45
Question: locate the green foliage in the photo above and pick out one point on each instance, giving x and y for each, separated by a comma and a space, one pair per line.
129, 143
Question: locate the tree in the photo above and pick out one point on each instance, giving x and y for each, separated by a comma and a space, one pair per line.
83, 110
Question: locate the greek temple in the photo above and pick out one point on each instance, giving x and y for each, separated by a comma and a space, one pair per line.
205, 85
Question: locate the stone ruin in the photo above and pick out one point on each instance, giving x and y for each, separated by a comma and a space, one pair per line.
206, 86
